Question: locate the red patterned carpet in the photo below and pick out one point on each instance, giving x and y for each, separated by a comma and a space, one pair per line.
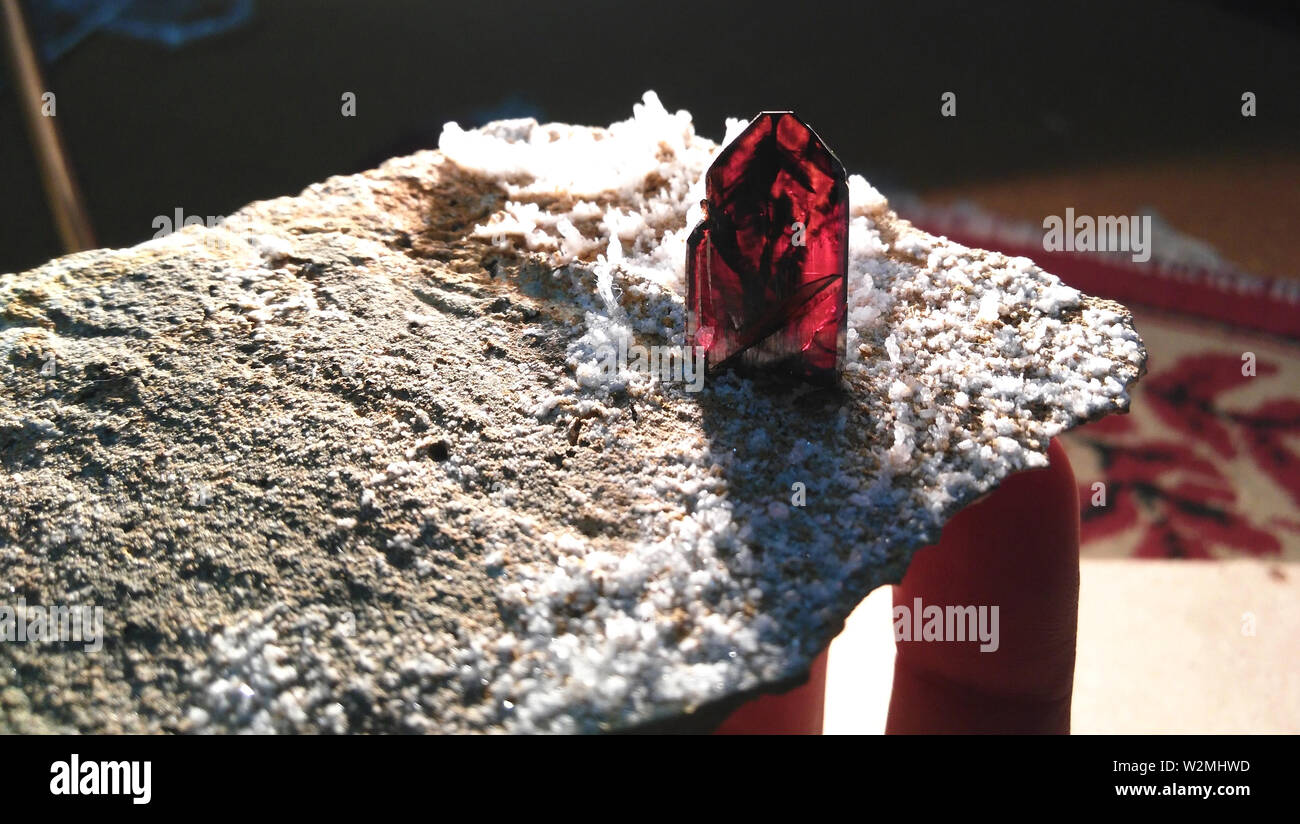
1207, 465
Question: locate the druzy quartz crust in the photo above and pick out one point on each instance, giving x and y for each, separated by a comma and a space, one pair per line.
766, 269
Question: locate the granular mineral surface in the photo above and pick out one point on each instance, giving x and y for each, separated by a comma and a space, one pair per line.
359, 460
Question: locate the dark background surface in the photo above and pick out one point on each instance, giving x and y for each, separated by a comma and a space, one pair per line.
256, 113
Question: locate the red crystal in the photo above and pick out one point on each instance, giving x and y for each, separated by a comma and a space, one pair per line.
766, 270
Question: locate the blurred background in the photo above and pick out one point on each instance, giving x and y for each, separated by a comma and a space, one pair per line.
1107, 108
209, 104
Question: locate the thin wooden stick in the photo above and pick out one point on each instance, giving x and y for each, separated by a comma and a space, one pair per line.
56, 175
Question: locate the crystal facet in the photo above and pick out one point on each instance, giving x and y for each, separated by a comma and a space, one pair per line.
766, 270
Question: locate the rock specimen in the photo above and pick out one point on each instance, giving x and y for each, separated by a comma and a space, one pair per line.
355, 460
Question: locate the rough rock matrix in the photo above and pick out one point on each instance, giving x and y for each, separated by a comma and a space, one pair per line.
350, 461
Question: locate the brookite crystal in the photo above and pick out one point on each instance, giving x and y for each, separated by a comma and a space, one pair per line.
766, 268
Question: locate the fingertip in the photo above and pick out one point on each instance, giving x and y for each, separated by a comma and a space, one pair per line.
1016, 554
799, 711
